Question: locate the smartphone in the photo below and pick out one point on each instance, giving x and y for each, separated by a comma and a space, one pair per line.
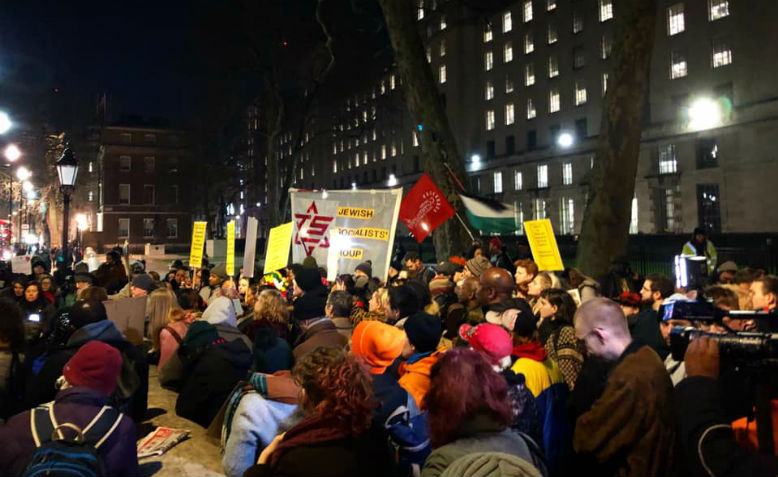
36, 317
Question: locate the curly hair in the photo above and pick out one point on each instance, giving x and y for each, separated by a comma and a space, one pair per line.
339, 386
271, 305
564, 303
462, 385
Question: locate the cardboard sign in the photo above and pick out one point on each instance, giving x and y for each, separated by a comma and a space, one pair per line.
251, 247
278, 244
21, 265
542, 242
129, 315
198, 242
230, 265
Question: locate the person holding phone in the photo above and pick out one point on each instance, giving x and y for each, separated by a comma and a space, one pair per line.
36, 311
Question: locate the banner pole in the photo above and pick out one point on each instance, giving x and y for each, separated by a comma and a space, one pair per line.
467, 229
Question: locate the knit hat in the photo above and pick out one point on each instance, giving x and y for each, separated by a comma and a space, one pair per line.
199, 334
525, 324
478, 265
728, 266
95, 365
308, 279
492, 341
144, 282
377, 343
495, 242
310, 305
83, 278
366, 268
220, 271
310, 262
440, 286
424, 331
221, 311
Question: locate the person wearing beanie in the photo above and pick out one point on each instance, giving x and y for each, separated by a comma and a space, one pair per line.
498, 257
364, 269
476, 266
90, 379
420, 351
310, 262
216, 277
726, 273
141, 285
700, 246
442, 287
309, 311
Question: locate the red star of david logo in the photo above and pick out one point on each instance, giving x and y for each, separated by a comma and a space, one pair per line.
315, 234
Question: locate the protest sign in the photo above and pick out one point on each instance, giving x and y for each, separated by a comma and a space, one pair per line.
542, 241
129, 315
198, 242
424, 208
230, 265
251, 247
359, 225
21, 264
278, 244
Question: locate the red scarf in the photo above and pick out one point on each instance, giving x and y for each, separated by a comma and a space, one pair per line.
311, 430
532, 350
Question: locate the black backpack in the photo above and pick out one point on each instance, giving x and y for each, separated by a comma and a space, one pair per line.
59, 456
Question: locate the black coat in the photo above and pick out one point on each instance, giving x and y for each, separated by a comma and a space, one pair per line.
209, 376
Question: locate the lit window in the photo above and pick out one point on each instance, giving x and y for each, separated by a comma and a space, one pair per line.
490, 120
442, 74
429, 54
488, 34
509, 117
507, 54
542, 176
718, 9
364, 158
383, 90
508, 84
489, 60
675, 19
90, 166
507, 22
124, 228
498, 182
553, 101
334, 167
383, 151
529, 44
527, 11
420, 10
606, 10
722, 55
529, 74
91, 196
125, 163
489, 90
172, 228
669, 209
578, 22
550, 4
518, 180
443, 22
518, 217
552, 36
580, 93
443, 47
567, 173
667, 161
633, 220
606, 45
604, 83
539, 206
677, 65
391, 82
553, 67
531, 111
567, 216
148, 228
394, 149
415, 138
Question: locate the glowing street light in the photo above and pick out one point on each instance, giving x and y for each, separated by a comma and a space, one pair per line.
392, 180
565, 140
23, 174
353, 186
704, 113
81, 222
475, 162
12, 152
27, 186
5, 122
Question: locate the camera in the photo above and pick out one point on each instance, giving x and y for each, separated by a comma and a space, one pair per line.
34, 317
742, 349
690, 272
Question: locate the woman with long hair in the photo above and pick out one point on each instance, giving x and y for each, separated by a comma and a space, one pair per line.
158, 307
469, 412
557, 332
336, 398
270, 311
171, 335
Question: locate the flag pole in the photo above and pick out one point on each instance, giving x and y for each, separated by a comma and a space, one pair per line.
467, 229
462, 188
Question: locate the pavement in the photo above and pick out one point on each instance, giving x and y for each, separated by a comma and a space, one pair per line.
196, 456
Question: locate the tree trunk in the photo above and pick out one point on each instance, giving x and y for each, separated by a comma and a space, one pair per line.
605, 228
439, 148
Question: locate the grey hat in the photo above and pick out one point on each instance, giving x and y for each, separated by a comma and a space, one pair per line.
144, 282
728, 266
220, 271
478, 265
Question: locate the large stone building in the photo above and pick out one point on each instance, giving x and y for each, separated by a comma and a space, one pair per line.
524, 90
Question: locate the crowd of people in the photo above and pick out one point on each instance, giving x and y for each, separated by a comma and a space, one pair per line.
478, 365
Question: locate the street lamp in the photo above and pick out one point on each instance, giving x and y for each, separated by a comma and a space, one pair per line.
5, 122
12, 152
81, 225
67, 168
565, 140
704, 113
23, 174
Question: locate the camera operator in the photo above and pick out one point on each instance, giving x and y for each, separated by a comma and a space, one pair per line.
704, 431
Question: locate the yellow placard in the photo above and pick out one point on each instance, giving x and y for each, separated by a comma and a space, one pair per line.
278, 244
364, 233
351, 253
542, 241
356, 213
230, 265
198, 242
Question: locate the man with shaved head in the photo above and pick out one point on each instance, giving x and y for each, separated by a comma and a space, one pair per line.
630, 429
495, 291
466, 310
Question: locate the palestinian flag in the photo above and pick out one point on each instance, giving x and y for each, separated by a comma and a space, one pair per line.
489, 216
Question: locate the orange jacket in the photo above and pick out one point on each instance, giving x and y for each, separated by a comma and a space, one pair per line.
415, 377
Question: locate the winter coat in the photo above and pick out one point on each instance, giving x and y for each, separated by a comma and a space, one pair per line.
111, 276
389, 394
209, 376
78, 406
477, 435
630, 429
344, 326
270, 352
415, 375
321, 333
133, 388
646, 331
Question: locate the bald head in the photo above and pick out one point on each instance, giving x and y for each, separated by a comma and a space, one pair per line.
496, 284
466, 289
601, 324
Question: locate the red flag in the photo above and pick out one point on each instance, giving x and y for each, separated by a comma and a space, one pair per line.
424, 209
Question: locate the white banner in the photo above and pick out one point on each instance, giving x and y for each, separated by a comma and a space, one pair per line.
357, 225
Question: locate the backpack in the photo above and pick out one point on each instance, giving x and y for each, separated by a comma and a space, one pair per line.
56, 455
408, 436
